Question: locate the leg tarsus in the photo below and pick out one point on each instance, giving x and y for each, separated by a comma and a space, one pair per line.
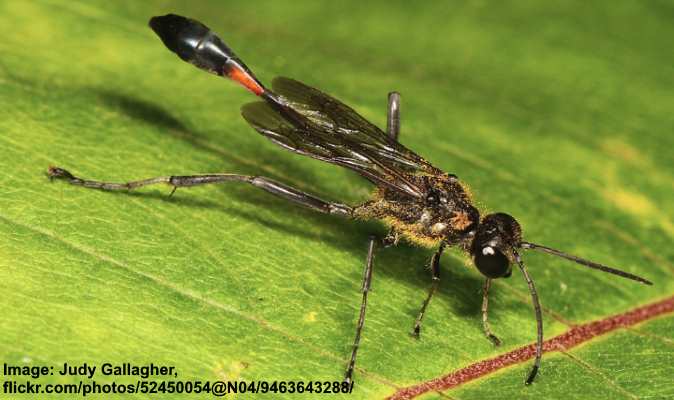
532, 375
416, 331
435, 270
494, 339
365, 288
54, 172
485, 308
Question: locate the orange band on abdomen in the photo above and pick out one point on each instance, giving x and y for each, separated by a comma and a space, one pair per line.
240, 75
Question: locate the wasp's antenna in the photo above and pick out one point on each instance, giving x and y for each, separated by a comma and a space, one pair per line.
582, 261
539, 320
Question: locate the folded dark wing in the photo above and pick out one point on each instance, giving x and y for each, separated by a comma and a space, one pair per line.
324, 128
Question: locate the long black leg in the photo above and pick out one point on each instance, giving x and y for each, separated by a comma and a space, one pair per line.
365, 288
269, 185
539, 321
393, 116
435, 270
485, 308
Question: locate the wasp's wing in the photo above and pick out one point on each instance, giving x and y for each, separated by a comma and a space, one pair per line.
322, 127
334, 115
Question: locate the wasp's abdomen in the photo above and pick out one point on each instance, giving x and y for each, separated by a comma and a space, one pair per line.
195, 43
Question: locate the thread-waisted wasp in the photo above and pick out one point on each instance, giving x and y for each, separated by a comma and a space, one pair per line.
419, 202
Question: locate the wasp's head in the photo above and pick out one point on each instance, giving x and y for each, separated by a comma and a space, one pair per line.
492, 248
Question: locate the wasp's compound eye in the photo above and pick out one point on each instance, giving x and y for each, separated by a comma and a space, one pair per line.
492, 263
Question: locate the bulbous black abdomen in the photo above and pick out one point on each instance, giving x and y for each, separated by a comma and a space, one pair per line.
193, 42
181, 35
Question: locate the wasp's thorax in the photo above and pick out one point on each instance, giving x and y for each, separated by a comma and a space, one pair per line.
444, 215
495, 239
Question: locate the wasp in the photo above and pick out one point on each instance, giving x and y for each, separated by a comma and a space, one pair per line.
420, 203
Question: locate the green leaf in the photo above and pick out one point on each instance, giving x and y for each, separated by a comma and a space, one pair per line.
560, 115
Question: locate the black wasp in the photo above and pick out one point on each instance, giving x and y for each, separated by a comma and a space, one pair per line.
419, 202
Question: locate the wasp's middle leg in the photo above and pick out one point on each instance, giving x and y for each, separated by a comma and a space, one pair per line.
485, 309
435, 270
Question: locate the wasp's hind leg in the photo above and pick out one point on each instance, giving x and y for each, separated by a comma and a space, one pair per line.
393, 115
435, 270
485, 306
271, 186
